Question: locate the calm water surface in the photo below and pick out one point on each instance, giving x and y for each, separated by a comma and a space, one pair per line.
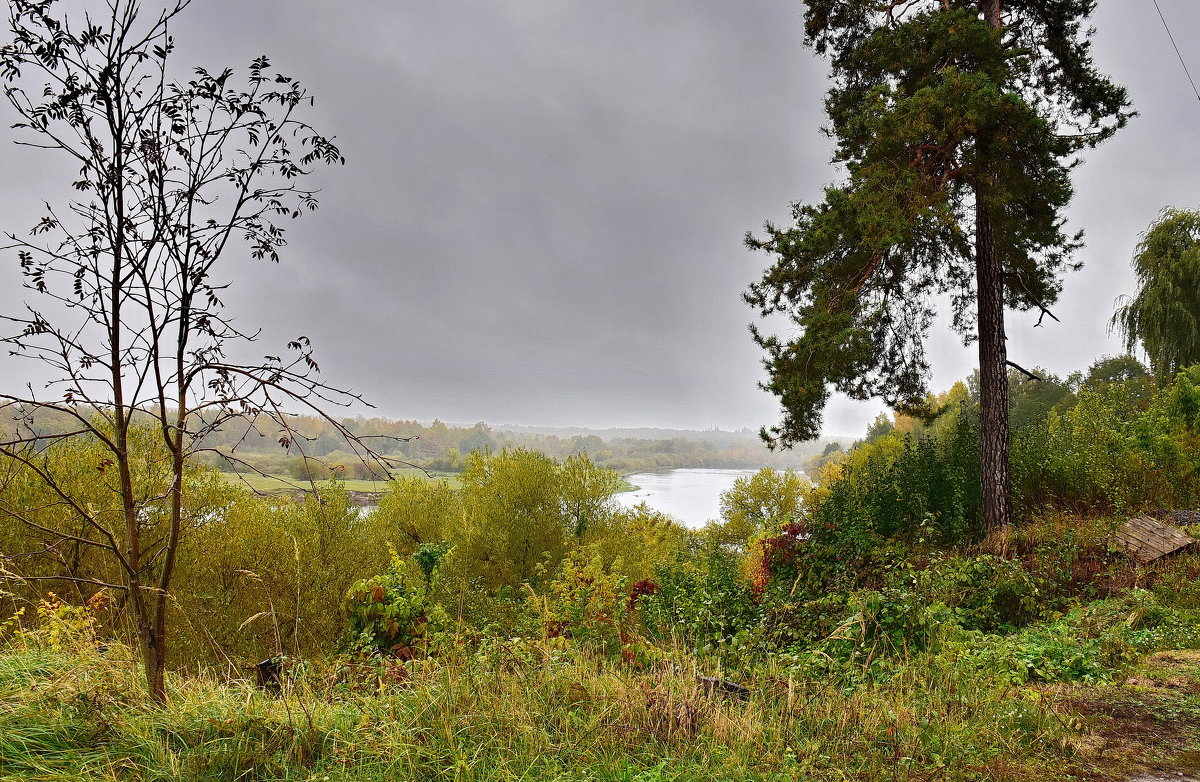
691, 495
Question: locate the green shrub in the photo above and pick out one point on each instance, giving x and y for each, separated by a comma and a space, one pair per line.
878, 639
267, 576
790, 626
986, 592
702, 603
1047, 653
388, 615
1121, 447
1140, 620
587, 604
899, 491
1092, 643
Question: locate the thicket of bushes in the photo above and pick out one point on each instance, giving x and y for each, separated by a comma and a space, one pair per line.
853, 583
893, 520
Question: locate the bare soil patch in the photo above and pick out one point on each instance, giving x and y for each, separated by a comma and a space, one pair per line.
1143, 729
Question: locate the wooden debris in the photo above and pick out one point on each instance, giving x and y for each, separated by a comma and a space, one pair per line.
713, 686
1144, 539
267, 674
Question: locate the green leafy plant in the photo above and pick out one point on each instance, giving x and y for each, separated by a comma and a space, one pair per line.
428, 556
985, 592
388, 615
587, 604
702, 602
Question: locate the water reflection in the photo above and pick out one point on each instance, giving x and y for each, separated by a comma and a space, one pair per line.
693, 495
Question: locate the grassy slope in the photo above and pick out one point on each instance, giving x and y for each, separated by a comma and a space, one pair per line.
543, 712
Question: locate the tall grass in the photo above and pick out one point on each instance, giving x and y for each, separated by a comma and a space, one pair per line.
519, 710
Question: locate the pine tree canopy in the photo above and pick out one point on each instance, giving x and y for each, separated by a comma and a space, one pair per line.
931, 110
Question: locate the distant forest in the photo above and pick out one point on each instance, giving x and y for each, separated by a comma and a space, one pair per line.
318, 449
442, 447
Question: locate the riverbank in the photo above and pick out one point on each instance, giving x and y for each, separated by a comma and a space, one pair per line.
361, 492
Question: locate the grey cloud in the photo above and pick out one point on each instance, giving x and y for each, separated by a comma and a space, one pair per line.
541, 215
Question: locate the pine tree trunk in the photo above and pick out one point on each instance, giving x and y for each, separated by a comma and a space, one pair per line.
996, 505
994, 480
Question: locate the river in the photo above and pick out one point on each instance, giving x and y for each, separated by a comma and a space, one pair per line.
691, 495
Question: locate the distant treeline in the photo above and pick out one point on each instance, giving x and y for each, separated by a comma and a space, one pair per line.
442, 447
315, 446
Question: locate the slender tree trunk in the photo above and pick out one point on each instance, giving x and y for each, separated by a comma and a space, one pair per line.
154, 655
996, 506
994, 480
175, 442
141, 603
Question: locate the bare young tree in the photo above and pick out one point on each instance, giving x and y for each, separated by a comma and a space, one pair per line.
126, 281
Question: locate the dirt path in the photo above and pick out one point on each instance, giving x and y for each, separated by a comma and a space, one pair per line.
1144, 729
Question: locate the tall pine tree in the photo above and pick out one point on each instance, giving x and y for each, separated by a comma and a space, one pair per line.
957, 123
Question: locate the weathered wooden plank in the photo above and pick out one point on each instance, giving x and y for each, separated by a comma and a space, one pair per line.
1141, 537
1145, 539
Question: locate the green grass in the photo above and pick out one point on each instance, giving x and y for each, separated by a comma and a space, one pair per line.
508, 710
488, 708
271, 484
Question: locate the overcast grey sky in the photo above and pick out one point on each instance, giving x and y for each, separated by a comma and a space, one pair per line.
541, 216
